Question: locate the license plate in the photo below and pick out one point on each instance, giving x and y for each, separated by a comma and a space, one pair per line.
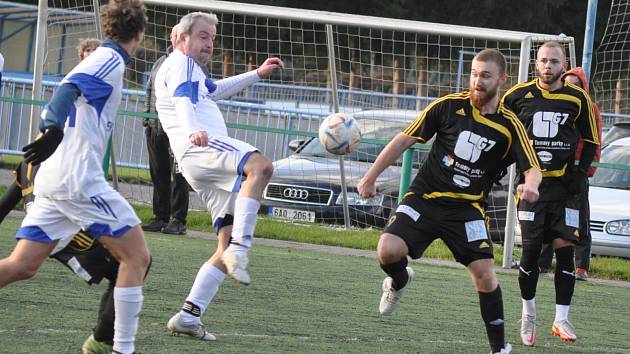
292, 214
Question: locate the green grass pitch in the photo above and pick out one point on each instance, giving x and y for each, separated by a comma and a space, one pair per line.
300, 302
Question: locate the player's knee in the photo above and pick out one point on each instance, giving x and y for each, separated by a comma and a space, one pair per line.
266, 170
390, 249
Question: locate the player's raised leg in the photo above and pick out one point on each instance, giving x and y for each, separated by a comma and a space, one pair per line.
24, 261
392, 256
258, 170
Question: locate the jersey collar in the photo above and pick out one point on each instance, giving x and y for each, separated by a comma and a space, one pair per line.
115, 46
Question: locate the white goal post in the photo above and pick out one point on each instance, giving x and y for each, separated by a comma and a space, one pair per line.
381, 64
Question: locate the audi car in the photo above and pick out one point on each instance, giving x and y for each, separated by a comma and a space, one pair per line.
306, 186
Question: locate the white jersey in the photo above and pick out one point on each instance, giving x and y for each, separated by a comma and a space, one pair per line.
76, 168
185, 100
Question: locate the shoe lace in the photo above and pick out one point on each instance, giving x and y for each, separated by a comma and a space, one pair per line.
392, 295
528, 322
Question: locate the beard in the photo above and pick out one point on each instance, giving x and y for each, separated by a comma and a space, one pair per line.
480, 98
551, 79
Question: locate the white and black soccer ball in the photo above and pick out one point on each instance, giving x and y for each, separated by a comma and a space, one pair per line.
339, 133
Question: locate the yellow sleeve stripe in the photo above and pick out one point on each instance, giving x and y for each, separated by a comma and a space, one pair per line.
592, 120
522, 137
411, 129
516, 87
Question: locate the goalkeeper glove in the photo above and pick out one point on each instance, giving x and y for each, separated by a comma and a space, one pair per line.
41, 149
575, 181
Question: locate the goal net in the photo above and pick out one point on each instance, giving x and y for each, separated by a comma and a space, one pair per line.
387, 71
611, 77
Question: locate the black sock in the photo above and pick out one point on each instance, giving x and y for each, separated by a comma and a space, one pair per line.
398, 272
491, 305
564, 277
104, 330
528, 271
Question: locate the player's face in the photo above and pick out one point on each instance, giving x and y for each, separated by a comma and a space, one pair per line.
550, 64
200, 43
87, 51
485, 81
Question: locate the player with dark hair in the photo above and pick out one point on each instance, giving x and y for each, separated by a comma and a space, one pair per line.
71, 192
556, 114
475, 137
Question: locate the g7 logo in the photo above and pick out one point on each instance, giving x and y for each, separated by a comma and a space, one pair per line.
470, 145
545, 124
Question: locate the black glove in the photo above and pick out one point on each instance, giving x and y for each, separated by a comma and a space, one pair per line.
575, 181
41, 149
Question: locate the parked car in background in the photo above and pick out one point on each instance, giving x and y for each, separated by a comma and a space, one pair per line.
306, 185
610, 202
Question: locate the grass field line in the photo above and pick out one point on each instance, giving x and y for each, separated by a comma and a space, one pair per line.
343, 251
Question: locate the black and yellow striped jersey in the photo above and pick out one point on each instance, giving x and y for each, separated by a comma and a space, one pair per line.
25, 179
469, 150
554, 121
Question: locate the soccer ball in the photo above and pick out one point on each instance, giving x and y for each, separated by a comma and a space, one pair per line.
339, 133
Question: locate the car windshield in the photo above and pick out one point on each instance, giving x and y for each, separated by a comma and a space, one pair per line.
370, 130
609, 177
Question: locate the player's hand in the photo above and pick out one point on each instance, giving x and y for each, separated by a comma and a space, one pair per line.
269, 66
199, 138
366, 188
41, 149
527, 193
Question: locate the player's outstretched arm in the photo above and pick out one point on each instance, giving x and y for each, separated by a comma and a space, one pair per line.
528, 191
386, 158
269, 66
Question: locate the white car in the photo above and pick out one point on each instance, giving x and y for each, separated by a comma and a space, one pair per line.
609, 198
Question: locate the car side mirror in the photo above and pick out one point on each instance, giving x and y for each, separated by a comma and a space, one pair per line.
295, 144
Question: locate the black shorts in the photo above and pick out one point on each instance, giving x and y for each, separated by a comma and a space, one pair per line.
462, 227
543, 222
88, 259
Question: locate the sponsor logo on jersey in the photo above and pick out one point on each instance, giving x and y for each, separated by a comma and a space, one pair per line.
529, 95
470, 145
461, 181
525, 215
545, 124
409, 211
448, 160
545, 156
461, 112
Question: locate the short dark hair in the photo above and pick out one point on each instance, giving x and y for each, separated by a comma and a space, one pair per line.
123, 19
490, 54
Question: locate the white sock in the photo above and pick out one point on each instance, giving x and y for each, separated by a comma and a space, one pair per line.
127, 306
529, 307
245, 211
562, 312
205, 287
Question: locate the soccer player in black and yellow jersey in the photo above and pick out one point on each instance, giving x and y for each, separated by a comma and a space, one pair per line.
556, 114
475, 137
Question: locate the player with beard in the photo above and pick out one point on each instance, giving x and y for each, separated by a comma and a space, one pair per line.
556, 114
475, 137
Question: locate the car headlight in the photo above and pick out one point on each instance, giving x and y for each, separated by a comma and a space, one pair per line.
618, 227
355, 199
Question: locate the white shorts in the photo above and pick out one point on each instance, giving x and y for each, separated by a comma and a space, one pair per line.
49, 220
215, 173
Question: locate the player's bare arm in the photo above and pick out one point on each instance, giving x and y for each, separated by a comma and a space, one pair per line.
388, 156
528, 191
269, 66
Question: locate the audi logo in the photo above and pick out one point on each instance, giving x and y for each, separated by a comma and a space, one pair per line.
295, 193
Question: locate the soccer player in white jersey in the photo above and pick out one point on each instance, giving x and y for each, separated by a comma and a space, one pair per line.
71, 192
212, 163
